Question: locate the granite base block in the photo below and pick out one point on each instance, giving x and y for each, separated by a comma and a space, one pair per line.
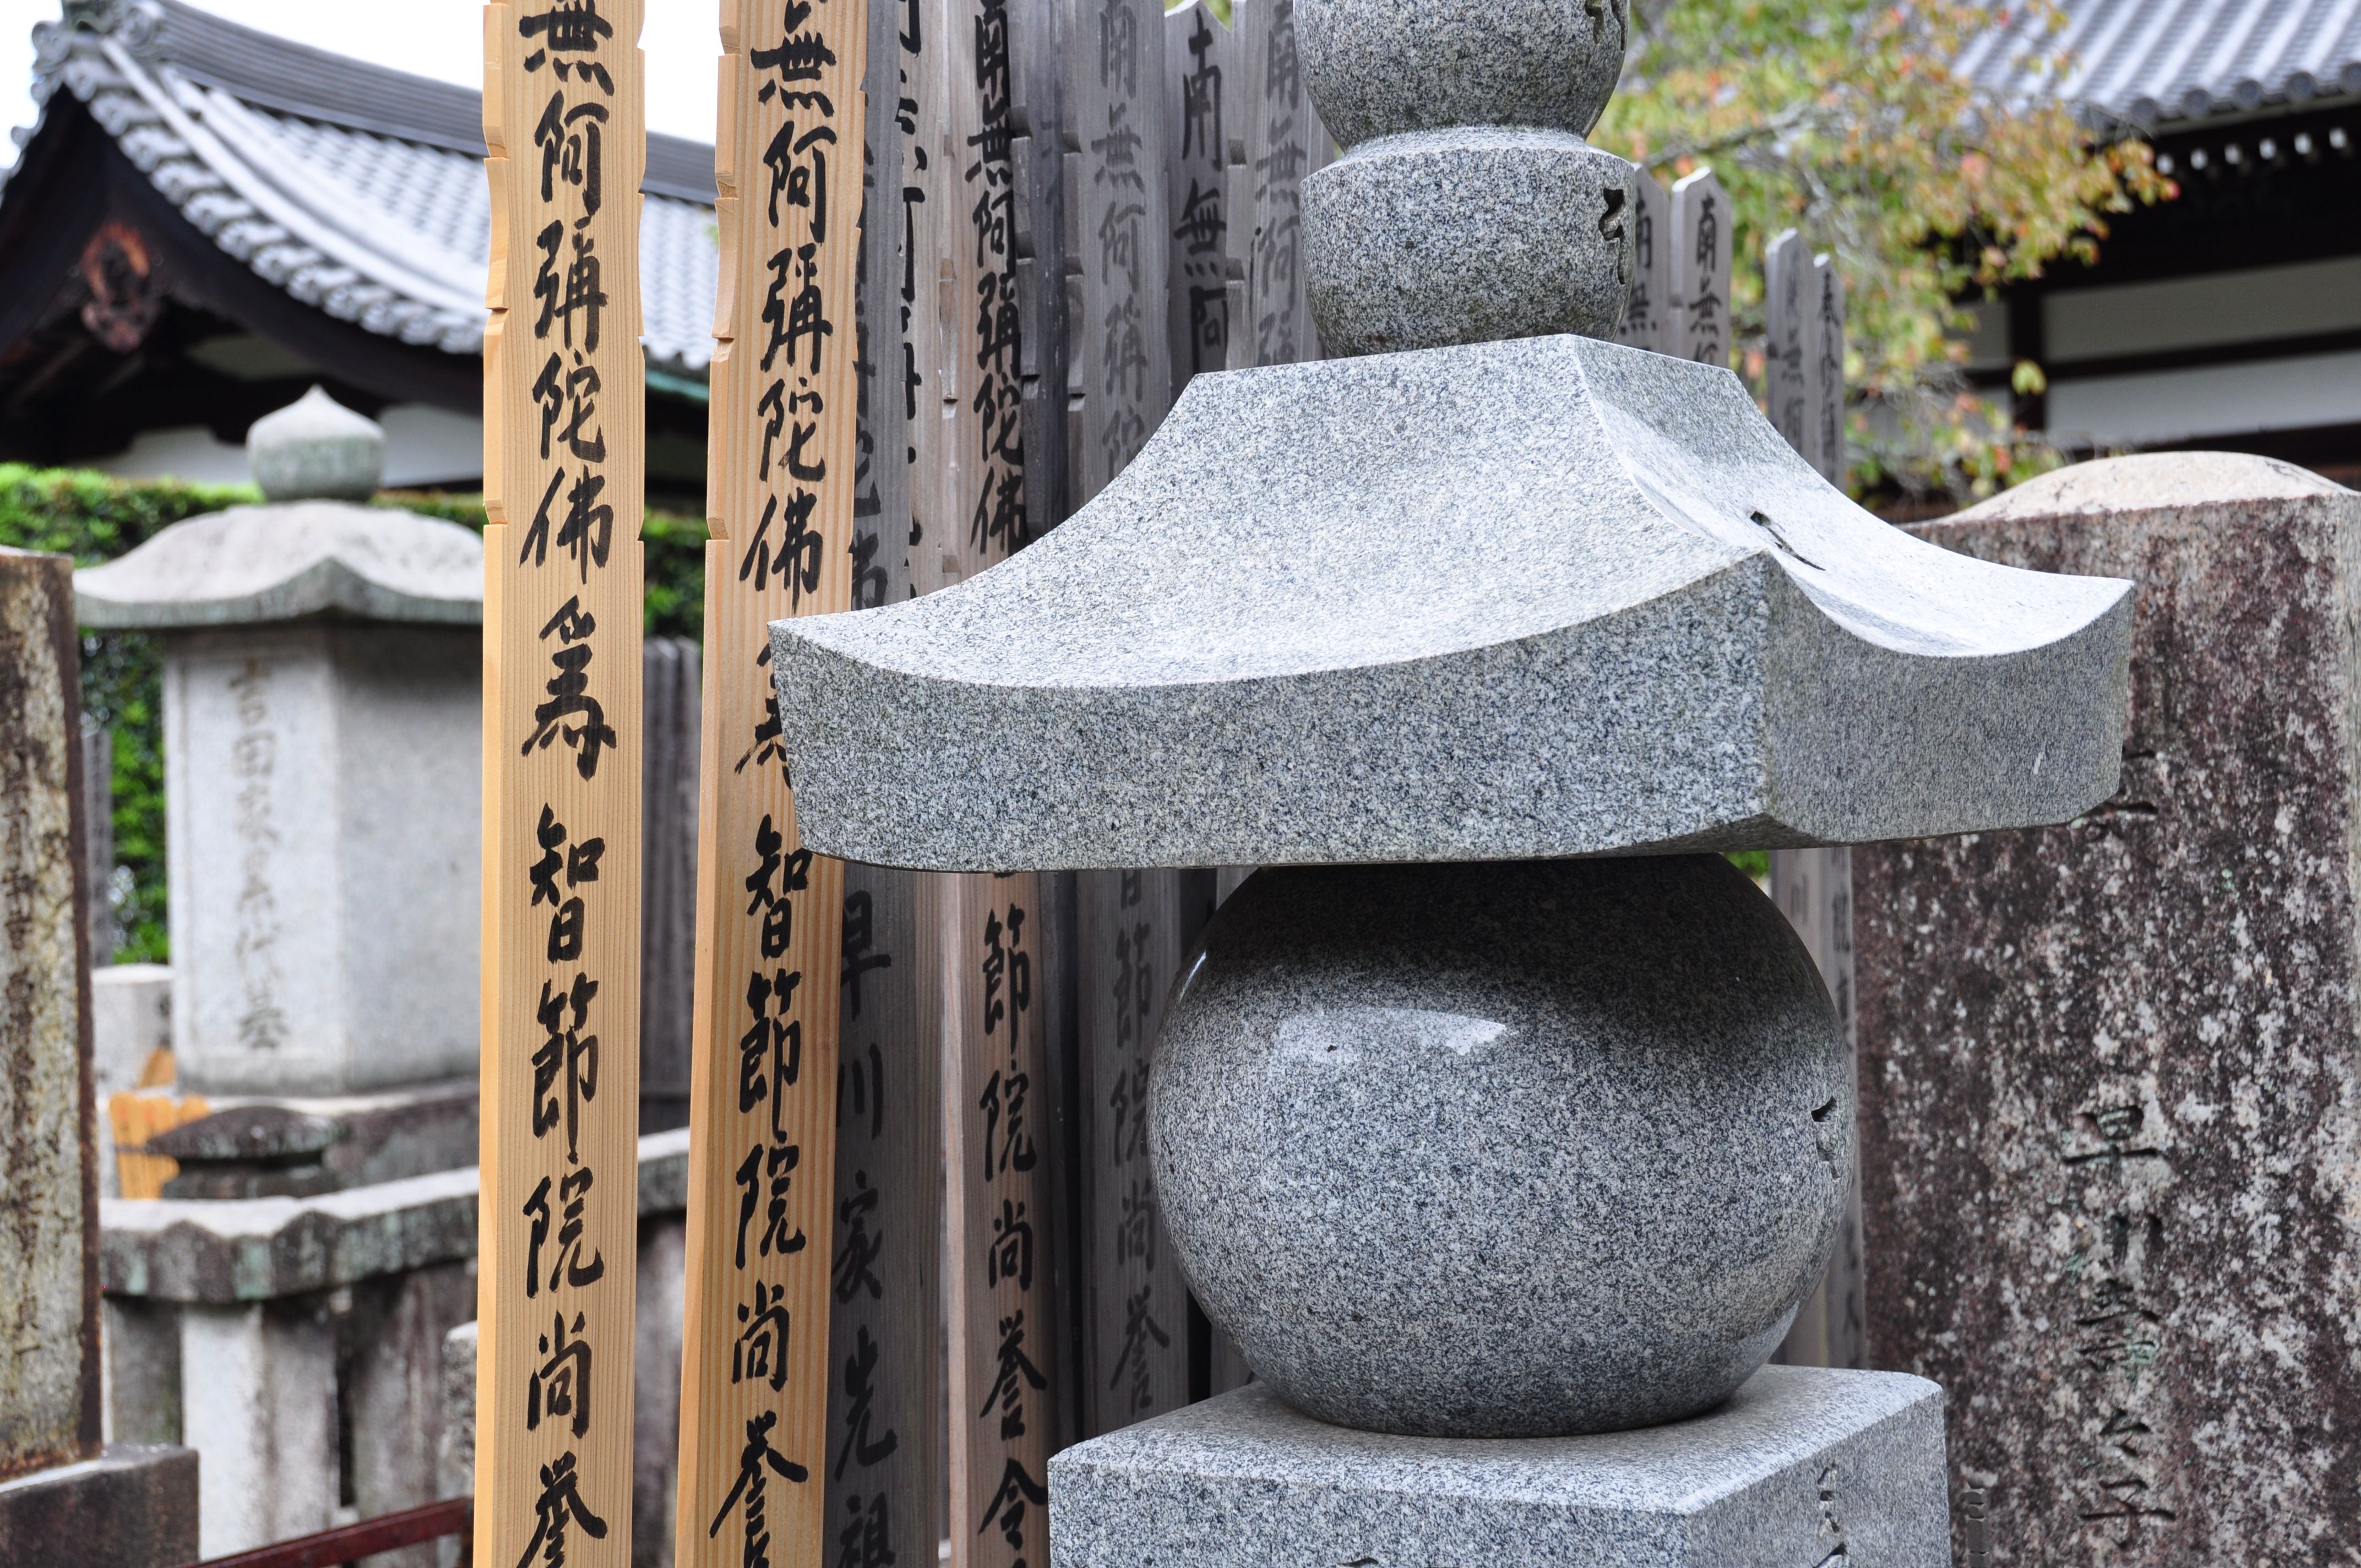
132, 1507
1802, 1467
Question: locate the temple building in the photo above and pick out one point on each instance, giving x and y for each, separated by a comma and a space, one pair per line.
2229, 318
206, 220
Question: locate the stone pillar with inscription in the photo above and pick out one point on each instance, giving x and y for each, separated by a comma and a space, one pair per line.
122, 1506
2109, 1068
322, 720
1489, 1107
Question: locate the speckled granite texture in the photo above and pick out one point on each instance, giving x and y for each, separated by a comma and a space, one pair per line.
1805, 1467
1466, 236
2110, 1074
1375, 66
1490, 602
1501, 1150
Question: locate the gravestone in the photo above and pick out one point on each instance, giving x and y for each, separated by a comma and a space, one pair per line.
124, 1506
1425, 1019
2108, 1068
322, 729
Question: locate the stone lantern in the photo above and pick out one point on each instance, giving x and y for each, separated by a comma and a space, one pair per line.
323, 735
1499, 1122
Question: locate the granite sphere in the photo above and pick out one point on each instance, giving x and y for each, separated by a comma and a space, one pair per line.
1516, 1149
1375, 66
1430, 239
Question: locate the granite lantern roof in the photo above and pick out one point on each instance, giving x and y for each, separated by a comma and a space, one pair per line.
2161, 64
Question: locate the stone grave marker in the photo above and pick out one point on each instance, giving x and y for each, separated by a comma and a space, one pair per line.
123, 1507
2108, 1067
322, 725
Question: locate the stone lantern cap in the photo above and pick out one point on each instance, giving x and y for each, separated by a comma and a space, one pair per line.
1539, 598
311, 550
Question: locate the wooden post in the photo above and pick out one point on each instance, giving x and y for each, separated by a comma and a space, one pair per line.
1134, 1355
754, 1381
563, 481
1791, 356
1647, 321
1002, 391
1271, 324
885, 1447
1814, 887
1700, 268
1827, 418
1201, 70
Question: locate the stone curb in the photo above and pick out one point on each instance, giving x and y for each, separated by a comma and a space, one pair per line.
260, 1249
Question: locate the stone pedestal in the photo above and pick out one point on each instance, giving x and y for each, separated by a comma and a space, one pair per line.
322, 744
2109, 1069
132, 1507
1802, 1467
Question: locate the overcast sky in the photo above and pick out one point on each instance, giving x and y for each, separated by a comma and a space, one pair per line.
442, 39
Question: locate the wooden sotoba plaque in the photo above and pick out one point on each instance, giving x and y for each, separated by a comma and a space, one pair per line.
564, 383
762, 1162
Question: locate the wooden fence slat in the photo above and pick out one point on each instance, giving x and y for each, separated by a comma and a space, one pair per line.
884, 1465
1003, 472
670, 697
784, 468
564, 479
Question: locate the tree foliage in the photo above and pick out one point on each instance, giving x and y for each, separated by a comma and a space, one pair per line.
1846, 120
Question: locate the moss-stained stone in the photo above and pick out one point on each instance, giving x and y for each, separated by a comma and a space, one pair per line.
48, 1334
2110, 1075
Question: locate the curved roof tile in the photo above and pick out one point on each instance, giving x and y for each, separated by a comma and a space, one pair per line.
2149, 63
360, 191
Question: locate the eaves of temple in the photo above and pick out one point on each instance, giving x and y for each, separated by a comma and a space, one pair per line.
2231, 317
206, 219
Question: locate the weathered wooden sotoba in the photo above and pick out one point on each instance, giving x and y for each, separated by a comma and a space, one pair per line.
1488, 1109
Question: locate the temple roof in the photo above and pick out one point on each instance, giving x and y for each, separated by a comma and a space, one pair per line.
2147, 63
357, 190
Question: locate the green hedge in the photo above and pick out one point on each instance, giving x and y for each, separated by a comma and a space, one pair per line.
92, 518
